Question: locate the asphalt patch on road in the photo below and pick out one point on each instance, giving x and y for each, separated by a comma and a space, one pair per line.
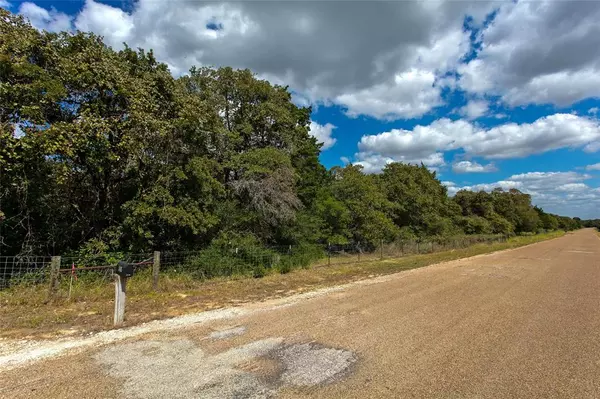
311, 364
181, 369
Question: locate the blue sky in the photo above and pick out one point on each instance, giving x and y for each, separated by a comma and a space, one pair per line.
486, 94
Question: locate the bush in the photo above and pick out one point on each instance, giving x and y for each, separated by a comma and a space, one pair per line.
476, 225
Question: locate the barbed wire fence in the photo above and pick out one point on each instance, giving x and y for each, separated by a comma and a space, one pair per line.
88, 276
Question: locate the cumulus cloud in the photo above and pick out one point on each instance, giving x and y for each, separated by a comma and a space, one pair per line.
4, 4
593, 110
448, 183
547, 59
509, 140
49, 20
565, 193
473, 167
326, 52
323, 134
475, 109
330, 54
409, 95
595, 166
114, 24
374, 163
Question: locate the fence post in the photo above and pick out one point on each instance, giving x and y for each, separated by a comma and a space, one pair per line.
120, 296
328, 254
417, 247
358, 251
431, 246
54, 272
155, 270
381, 246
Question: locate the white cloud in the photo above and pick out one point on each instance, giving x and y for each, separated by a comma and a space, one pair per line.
538, 52
564, 193
327, 52
374, 163
4, 4
49, 20
473, 167
323, 134
593, 110
411, 94
475, 109
114, 24
545, 134
595, 166
509, 140
572, 187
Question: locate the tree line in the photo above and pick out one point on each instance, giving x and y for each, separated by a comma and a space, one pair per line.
104, 150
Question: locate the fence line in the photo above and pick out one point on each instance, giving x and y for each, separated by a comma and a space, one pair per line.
96, 271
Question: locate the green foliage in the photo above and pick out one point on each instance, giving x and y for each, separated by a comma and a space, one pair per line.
113, 155
419, 200
476, 225
368, 207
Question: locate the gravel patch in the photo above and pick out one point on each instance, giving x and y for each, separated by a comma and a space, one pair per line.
228, 333
313, 364
180, 369
23, 352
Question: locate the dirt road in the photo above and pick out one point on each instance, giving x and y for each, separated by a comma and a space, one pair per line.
522, 323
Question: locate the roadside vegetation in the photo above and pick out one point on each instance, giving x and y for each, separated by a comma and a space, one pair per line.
26, 313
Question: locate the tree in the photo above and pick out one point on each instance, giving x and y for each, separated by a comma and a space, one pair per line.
368, 207
419, 200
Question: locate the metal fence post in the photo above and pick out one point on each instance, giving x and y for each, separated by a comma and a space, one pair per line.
155, 270
381, 246
54, 272
328, 254
358, 251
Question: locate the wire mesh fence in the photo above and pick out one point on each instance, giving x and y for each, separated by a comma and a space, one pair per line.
357, 252
17, 270
80, 275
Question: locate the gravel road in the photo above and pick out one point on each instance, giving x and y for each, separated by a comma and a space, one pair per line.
523, 323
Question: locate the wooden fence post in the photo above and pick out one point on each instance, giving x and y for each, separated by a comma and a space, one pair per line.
54, 272
120, 297
155, 270
381, 245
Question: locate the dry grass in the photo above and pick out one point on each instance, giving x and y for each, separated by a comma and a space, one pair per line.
25, 312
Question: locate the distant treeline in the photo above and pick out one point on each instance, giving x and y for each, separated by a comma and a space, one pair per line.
104, 150
591, 223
